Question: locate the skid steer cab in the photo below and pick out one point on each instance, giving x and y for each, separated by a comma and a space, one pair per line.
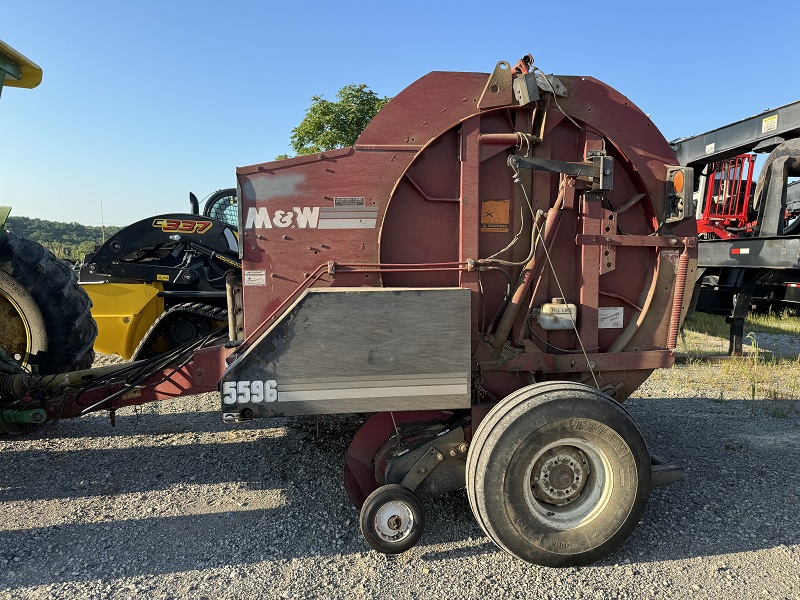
488, 273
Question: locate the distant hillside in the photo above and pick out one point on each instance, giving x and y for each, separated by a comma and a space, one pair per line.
65, 240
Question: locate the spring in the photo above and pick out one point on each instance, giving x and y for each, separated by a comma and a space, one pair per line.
677, 300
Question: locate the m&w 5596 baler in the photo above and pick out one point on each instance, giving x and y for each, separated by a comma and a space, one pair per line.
492, 269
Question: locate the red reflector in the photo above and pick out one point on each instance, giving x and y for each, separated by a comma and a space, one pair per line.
740, 250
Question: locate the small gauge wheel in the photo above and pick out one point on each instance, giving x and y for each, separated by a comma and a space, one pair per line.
391, 519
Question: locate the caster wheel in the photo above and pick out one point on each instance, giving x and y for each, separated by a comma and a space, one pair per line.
391, 519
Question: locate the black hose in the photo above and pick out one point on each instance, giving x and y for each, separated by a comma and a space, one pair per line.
507, 297
177, 357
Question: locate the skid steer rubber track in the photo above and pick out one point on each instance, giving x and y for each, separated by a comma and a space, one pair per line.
191, 317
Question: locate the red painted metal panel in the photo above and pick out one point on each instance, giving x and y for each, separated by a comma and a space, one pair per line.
403, 208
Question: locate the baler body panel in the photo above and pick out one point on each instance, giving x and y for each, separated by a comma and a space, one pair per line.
427, 193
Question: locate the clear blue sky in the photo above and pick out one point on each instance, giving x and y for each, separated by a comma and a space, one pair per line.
143, 102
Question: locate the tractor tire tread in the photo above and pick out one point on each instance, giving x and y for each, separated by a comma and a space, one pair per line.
65, 305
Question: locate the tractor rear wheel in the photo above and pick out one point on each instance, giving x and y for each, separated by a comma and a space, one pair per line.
45, 318
558, 474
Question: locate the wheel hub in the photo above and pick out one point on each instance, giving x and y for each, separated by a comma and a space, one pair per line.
394, 521
559, 475
14, 332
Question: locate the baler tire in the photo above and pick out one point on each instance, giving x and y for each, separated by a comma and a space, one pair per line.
42, 294
565, 430
398, 503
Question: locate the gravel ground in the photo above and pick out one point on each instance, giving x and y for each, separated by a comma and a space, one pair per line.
172, 503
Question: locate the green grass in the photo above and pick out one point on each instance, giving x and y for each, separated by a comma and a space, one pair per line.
774, 382
705, 323
705, 334
786, 321
759, 375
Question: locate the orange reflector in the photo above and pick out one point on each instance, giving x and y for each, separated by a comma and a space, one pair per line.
677, 182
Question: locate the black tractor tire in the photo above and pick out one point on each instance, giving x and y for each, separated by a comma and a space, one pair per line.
558, 474
43, 308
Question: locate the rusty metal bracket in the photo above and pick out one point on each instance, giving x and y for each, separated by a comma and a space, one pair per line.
525, 89
535, 360
608, 253
600, 169
449, 445
651, 241
550, 83
498, 91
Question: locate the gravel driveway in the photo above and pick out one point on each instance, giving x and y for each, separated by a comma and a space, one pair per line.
172, 503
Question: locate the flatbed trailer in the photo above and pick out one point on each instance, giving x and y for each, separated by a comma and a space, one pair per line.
749, 243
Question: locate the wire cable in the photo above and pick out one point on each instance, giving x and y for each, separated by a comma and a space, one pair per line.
574, 327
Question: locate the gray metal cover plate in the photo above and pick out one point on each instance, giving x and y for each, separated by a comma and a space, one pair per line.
342, 350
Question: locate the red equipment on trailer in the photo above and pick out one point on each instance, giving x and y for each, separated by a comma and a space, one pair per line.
497, 263
726, 206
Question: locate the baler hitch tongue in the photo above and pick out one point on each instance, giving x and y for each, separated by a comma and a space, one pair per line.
36, 415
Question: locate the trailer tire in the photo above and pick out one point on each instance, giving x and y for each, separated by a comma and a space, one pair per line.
392, 519
558, 474
47, 321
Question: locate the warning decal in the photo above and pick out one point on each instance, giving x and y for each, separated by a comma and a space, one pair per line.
255, 277
494, 215
610, 317
769, 124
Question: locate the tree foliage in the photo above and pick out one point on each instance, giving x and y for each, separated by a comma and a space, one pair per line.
328, 125
65, 240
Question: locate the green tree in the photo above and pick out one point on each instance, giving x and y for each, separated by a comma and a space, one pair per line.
328, 125
65, 240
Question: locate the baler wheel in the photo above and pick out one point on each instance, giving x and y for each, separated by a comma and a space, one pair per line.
392, 520
558, 474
